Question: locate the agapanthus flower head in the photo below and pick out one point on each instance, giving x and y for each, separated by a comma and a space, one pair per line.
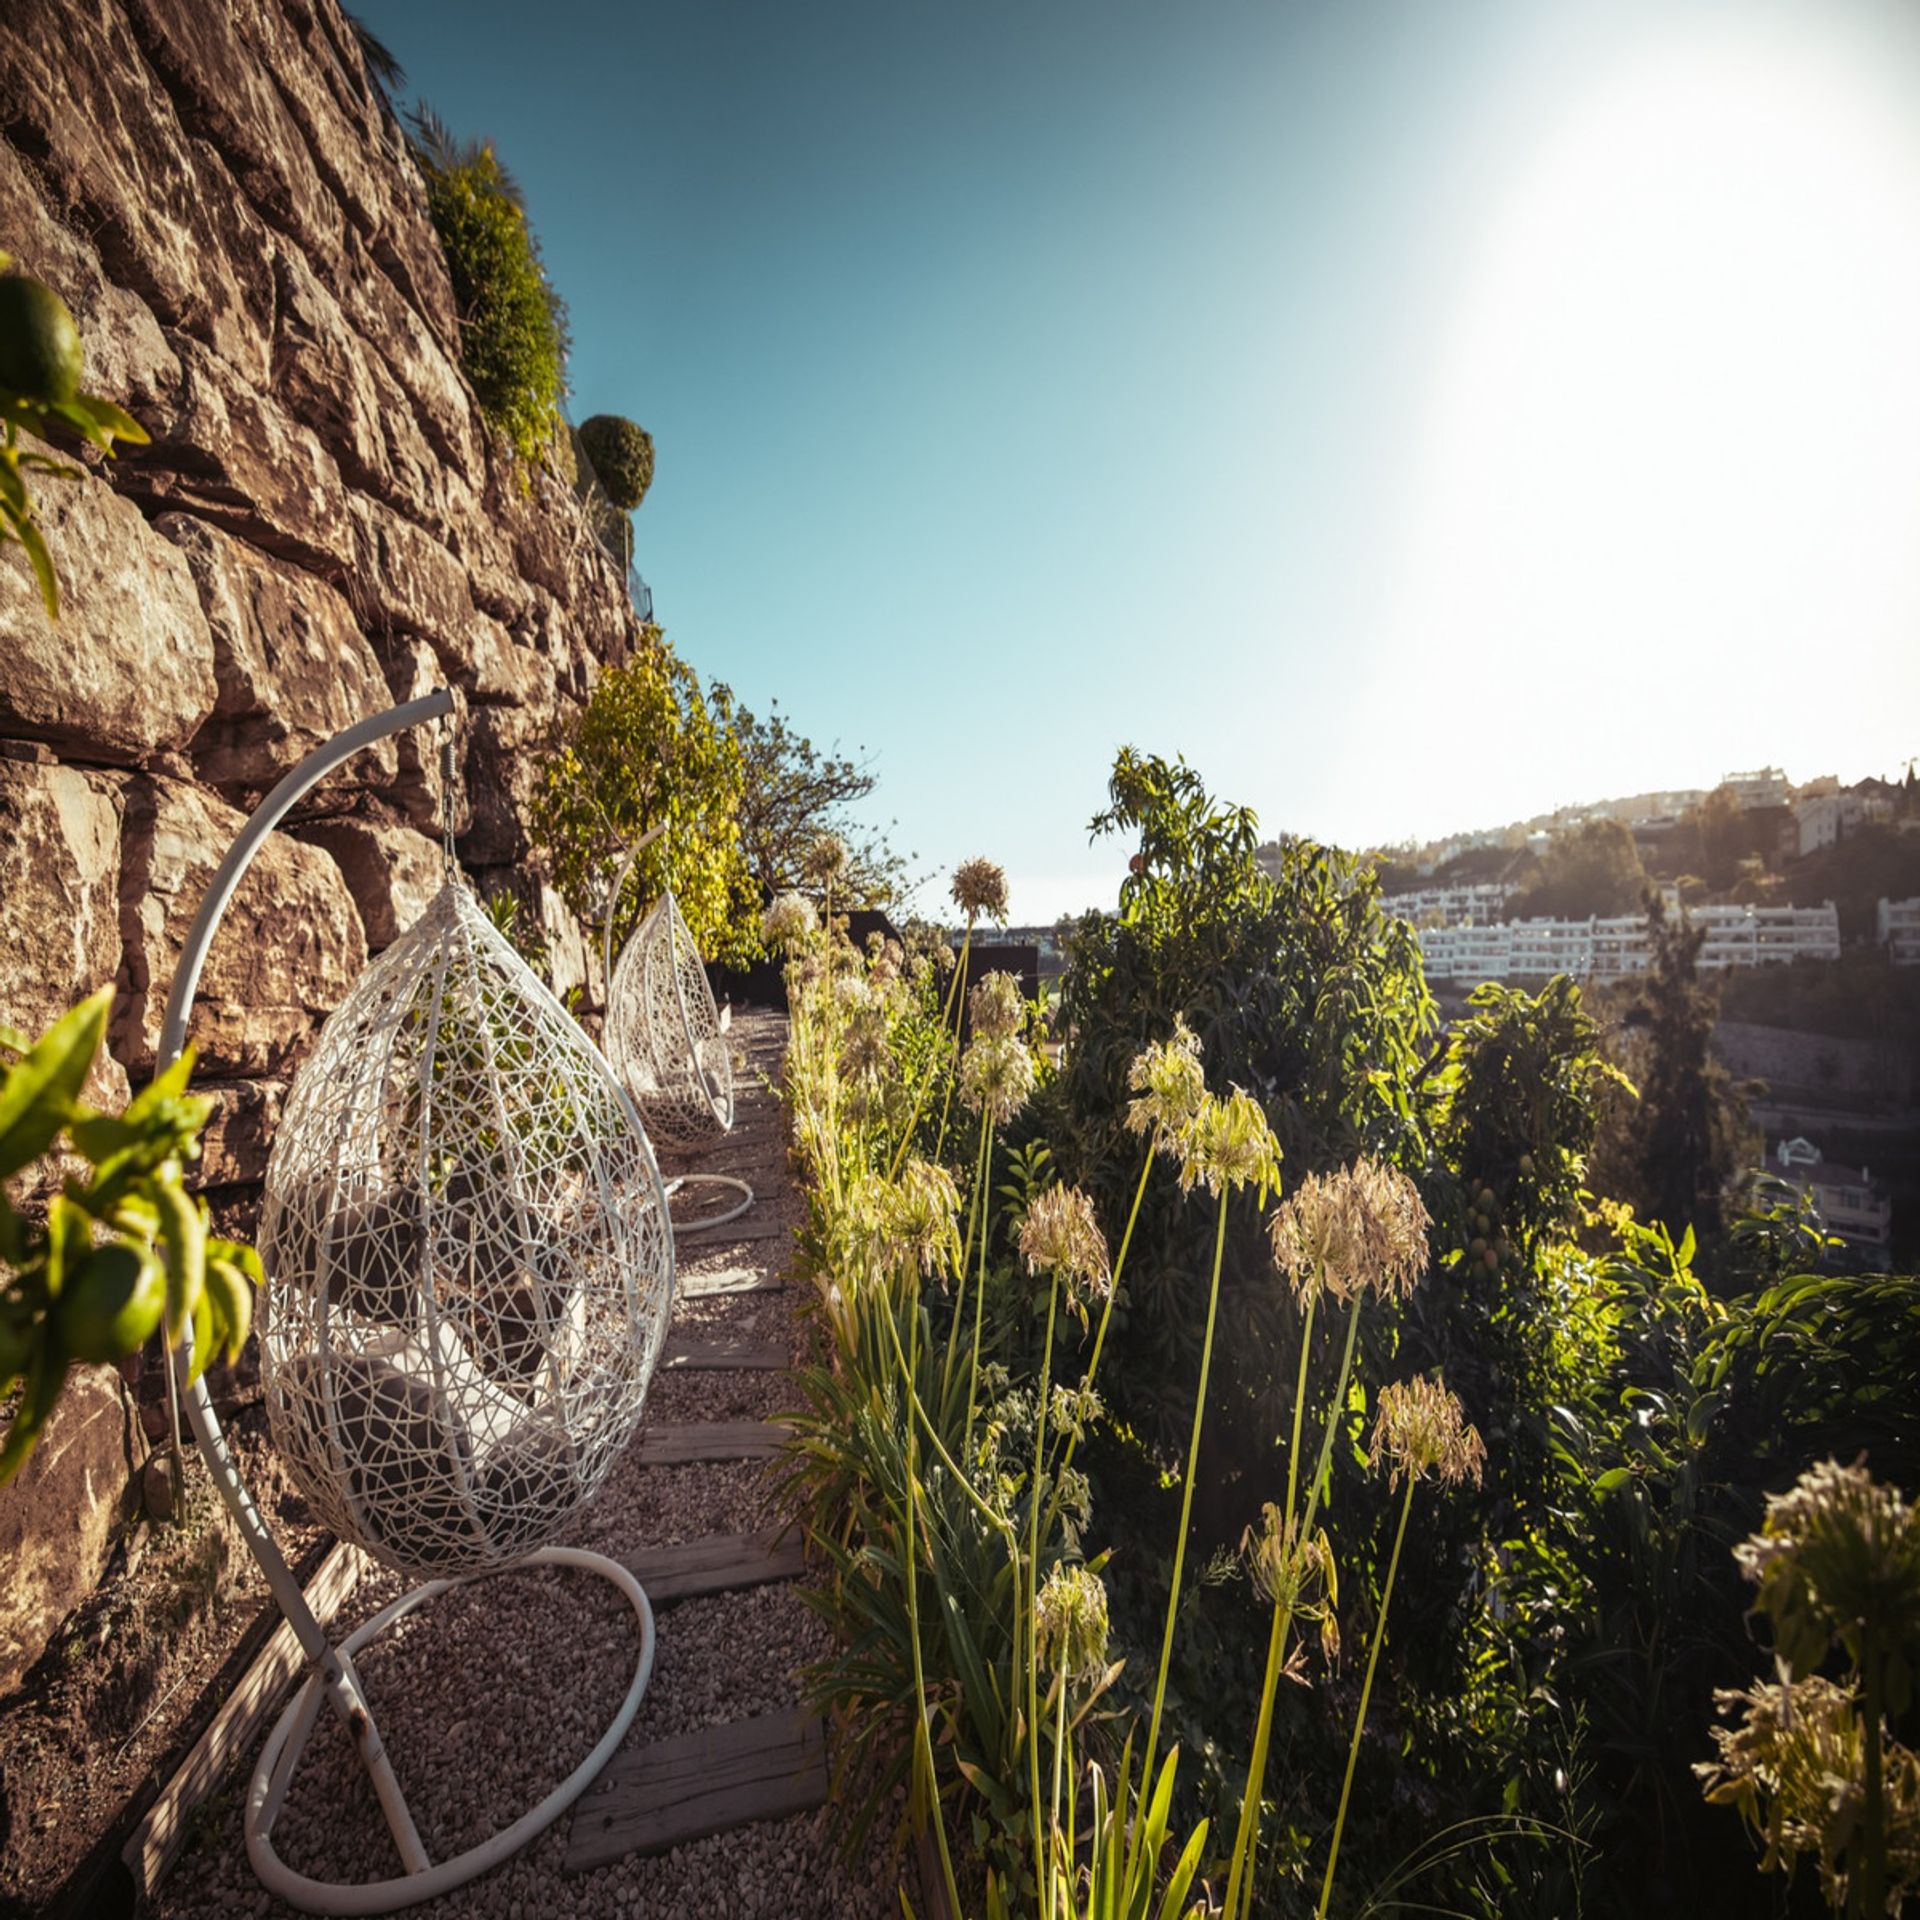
918, 1212
825, 859
851, 992
1070, 1623
980, 887
1360, 1226
1794, 1765
1296, 1574
1420, 1429
1836, 1548
864, 1050
1060, 1235
1228, 1145
1074, 1410
888, 957
995, 1005
996, 1077
1171, 1085
789, 922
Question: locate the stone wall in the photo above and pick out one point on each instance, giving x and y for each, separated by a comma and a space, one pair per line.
322, 526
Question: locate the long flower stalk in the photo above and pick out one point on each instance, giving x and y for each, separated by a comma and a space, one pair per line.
1366, 1694
926, 1079
923, 1732
1246, 1841
1186, 1493
1033, 1592
1100, 1337
974, 1204
980, 1290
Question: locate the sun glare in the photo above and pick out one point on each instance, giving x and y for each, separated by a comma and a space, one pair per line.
1673, 452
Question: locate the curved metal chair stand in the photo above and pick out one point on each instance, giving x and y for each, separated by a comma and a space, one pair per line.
333, 1678
666, 1040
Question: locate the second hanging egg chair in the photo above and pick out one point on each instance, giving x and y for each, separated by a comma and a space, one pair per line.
667, 1039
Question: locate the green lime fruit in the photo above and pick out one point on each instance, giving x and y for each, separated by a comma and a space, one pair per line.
112, 1305
40, 353
1526, 1165
1492, 1259
1476, 1246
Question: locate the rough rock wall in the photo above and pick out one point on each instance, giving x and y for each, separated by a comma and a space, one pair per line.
322, 526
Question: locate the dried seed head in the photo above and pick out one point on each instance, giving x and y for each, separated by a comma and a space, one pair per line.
995, 1006
1362, 1226
864, 1050
1837, 1548
1296, 1575
1070, 1623
1171, 1086
918, 1212
979, 887
1421, 1428
1060, 1235
996, 1076
825, 859
790, 922
1227, 1145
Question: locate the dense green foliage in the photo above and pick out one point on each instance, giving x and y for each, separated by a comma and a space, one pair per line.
513, 326
621, 452
649, 749
122, 1247
1593, 869
1556, 1633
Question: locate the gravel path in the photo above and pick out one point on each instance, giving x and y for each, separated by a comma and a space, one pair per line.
496, 1692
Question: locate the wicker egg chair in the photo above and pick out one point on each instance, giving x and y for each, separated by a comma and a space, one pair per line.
470, 1271
668, 1041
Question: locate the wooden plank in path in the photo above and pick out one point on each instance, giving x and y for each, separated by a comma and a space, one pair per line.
703, 1286
704, 1352
747, 1229
238, 1726
654, 1797
690, 1442
722, 1563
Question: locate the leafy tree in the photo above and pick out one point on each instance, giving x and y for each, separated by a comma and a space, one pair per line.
1594, 869
1302, 992
1689, 1133
793, 794
650, 749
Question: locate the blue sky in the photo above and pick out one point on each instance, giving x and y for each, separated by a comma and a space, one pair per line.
1418, 416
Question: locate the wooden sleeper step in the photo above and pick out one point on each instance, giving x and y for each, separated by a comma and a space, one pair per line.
654, 1797
693, 1442
721, 1563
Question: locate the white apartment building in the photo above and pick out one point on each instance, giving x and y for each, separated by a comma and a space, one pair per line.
1764, 787
1610, 948
1898, 930
1828, 818
1449, 906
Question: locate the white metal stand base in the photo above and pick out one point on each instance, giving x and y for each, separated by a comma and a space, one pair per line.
679, 1180
424, 1879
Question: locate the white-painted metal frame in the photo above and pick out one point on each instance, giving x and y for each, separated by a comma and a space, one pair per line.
334, 1678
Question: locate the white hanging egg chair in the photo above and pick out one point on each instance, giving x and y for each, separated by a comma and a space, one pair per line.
668, 1041
469, 1274
469, 1265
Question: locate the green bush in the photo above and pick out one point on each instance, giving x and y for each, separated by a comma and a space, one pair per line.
622, 455
513, 326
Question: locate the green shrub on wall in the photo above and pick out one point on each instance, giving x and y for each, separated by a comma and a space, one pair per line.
622, 454
513, 326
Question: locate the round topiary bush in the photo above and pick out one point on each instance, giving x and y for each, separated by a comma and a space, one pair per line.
622, 456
